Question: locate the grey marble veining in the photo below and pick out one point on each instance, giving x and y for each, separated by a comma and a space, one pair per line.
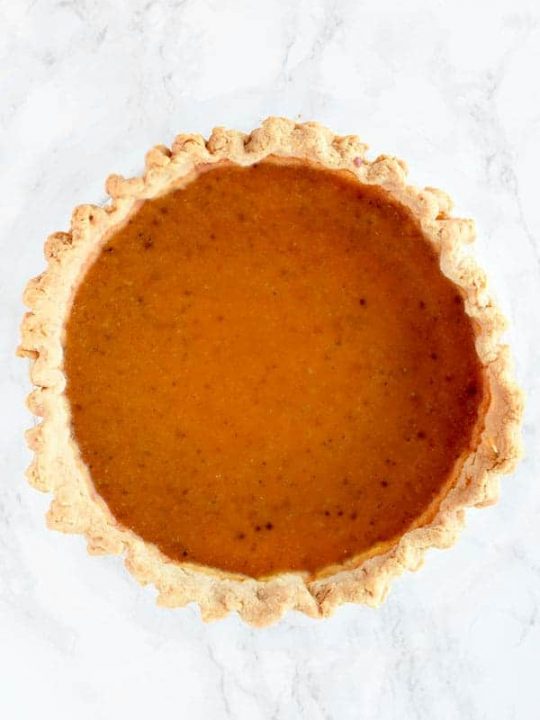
86, 87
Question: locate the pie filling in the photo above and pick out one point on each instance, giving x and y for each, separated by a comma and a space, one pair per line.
267, 371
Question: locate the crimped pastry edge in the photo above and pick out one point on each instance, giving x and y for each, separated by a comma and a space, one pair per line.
58, 468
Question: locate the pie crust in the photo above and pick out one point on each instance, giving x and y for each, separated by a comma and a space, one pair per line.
58, 468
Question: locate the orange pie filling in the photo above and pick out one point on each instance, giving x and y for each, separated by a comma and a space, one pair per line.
267, 371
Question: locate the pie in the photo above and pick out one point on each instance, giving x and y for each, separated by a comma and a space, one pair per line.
269, 373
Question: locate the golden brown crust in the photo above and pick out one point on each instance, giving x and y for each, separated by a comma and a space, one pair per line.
58, 468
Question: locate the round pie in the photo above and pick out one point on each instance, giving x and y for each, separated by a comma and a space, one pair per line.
269, 372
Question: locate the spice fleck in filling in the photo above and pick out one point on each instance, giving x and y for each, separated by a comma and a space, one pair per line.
267, 370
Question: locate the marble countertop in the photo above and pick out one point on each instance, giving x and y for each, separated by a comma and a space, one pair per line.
86, 87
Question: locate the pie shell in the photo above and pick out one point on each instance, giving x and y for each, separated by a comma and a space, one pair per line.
57, 466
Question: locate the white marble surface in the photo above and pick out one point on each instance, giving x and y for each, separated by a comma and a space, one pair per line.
85, 88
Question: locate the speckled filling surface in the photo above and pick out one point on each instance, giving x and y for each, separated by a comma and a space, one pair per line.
268, 371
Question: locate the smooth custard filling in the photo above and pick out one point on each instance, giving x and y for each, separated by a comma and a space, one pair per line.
267, 370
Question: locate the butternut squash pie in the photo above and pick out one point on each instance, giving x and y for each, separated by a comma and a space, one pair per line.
269, 373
